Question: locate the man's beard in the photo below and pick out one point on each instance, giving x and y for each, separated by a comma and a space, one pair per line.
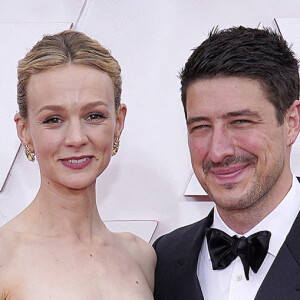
259, 188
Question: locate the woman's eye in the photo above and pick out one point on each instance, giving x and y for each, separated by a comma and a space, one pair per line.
52, 120
95, 117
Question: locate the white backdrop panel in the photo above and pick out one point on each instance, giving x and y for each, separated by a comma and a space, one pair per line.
151, 40
15, 11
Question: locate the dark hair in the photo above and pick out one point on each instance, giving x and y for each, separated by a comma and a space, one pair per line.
258, 54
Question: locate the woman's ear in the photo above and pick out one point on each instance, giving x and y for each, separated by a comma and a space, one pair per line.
120, 119
293, 122
23, 131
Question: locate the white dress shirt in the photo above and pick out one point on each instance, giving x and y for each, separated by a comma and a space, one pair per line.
230, 283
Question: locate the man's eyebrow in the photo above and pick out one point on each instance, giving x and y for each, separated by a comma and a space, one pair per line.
238, 113
195, 120
243, 113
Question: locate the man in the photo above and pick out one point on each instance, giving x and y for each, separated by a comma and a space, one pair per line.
239, 91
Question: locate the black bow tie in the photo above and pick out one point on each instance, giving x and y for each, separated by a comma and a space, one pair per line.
223, 249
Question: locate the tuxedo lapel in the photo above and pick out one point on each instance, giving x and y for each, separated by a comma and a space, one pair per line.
283, 279
188, 286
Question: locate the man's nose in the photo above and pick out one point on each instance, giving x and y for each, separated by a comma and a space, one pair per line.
221, 145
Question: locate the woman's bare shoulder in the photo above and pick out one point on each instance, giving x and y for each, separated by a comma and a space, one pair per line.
142, 253
136, 245
9, 241
8, 244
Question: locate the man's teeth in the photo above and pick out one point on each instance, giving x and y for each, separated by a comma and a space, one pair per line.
78, 161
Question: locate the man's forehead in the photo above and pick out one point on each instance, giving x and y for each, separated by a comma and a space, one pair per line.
227, 97
224, 89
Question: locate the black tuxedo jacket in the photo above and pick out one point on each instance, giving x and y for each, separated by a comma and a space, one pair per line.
177, 257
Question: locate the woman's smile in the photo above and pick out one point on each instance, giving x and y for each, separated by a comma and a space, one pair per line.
77, 163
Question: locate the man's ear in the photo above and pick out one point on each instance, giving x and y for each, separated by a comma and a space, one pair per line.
23, 131
120, 119
293, 122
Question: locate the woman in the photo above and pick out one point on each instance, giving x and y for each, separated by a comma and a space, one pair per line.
70, 118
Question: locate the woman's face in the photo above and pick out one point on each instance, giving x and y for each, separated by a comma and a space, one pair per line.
71, 124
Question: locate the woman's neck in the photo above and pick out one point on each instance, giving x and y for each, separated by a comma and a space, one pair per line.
59, 210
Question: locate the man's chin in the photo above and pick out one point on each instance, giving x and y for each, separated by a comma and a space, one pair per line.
229, 197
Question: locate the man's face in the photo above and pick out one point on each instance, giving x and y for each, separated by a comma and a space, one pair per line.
237, 147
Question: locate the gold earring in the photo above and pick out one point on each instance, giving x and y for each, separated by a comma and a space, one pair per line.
30, 155
116, 146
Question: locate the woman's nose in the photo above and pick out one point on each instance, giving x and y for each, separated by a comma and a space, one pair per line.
75, 136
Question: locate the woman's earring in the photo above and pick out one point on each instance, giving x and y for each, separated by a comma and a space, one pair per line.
116, 146
30, 155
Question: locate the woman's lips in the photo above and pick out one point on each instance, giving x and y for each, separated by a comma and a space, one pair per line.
76, 163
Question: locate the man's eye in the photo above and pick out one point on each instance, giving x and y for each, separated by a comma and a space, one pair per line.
95, 117
242, 121
52, 120
200, 127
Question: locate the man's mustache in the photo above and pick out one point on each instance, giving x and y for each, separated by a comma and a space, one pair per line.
247, 159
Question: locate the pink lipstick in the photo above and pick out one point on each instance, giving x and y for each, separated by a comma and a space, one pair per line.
77, 163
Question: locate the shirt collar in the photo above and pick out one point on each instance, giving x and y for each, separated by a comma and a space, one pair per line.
278, 222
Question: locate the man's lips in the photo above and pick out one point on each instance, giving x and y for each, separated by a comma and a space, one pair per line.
230, 165
229, 175
229, 170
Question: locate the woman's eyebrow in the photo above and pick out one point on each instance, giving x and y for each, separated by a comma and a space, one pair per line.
94, 104
51, 107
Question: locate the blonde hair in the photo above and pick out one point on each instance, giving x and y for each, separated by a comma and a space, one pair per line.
60, 49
